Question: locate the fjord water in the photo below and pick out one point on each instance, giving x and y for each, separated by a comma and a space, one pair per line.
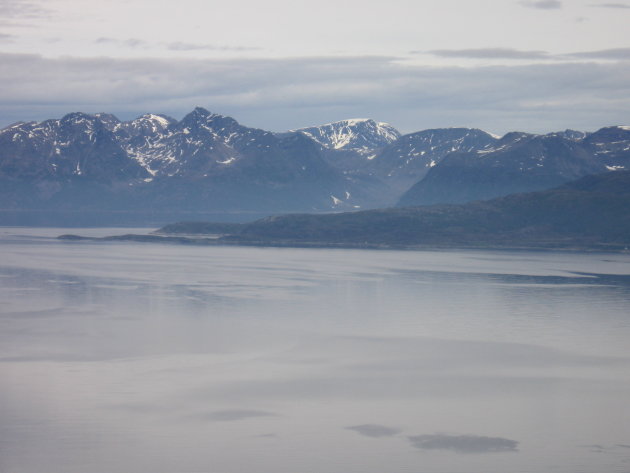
128, 357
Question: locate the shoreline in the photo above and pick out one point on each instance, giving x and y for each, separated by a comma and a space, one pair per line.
221, 240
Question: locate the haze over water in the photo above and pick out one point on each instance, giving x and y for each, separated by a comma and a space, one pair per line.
127, 357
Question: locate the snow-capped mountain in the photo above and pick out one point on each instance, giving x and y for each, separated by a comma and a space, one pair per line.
521, 162
143, 126
349, 145
363, 135
76, 145
205, 161
170, 148
208, 145
410, 158
574, 135
611, 145
208, 162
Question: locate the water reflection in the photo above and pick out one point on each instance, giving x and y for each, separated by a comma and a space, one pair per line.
128, 357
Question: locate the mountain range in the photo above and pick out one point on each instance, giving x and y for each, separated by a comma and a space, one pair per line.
156, 167
521, 162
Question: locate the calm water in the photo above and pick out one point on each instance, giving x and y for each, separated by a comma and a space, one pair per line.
148, 358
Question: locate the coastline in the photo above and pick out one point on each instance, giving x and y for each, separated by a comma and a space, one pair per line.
226, 240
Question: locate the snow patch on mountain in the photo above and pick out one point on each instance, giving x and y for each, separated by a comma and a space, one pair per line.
411, 156
359, 134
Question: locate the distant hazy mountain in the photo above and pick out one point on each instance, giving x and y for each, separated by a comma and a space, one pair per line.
376, 153
611, 146
521, 162
208, 162
407, 160
76, 145
205, 162
349, 146
589, 213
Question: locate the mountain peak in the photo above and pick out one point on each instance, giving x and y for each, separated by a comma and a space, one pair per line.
78, 117
161, 120
103, 116
352, 133
352, 121
202, 115
610, 133
201, 111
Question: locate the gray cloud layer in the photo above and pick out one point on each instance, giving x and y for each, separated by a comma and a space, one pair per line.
235, 414
619, 54
180, 46
374, 430
491, 53
543, 4
22, 9
599, 448
288, 93
611, 5
129, 42
172, 46
464, 443
615, 54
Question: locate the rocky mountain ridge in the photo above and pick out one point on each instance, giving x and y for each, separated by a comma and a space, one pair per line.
208, 162
361, 134
521, 162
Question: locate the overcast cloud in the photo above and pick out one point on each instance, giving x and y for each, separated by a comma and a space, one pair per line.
520, 65
22, 9
281, 94
543, 4
172, 46
464, 443
612, 5
491, 53
231, 415
180, 46
621, 54
374, 430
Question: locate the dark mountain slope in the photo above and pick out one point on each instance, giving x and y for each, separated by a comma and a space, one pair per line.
204, 163
591, 212
410, 158
209, 163
75, 145
517, 163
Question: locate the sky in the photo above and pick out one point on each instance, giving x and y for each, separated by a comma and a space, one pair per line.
498, 65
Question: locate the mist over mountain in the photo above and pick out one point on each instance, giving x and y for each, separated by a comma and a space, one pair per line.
520, 162
591, 212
